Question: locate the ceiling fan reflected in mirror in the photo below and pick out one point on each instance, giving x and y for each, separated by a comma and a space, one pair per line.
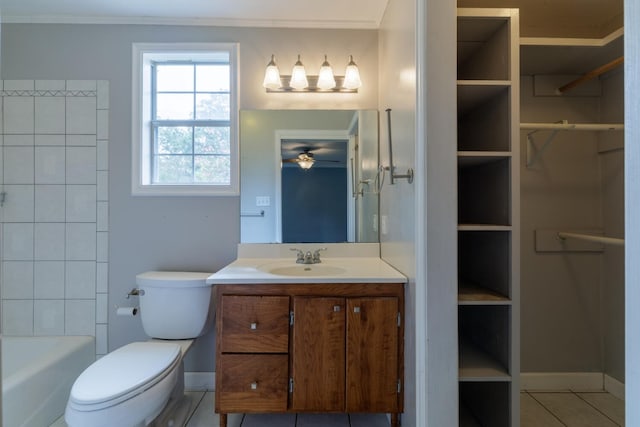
306, 160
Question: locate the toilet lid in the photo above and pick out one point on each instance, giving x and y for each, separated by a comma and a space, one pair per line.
124, 370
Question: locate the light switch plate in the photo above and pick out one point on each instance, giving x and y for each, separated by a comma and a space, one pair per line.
263, 201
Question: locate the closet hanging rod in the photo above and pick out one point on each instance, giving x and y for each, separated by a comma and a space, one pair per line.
591, 75
565, 125
563, 235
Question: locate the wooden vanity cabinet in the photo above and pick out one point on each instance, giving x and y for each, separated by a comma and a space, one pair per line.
342, 350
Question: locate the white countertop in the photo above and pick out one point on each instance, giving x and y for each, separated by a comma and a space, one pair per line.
359, 269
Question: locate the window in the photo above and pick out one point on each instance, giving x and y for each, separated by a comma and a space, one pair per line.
185, 138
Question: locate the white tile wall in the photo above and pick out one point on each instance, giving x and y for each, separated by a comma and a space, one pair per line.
18, 165
50, 203
50, 165
54, 165
49, 279
17, 277
49, 115
18, 241
20, 207
18, 114
49, 241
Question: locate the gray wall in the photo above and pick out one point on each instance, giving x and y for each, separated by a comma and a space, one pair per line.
571, 300
188, 233
560, 300
612, 163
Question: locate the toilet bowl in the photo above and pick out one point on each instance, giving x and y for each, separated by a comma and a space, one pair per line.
142, 383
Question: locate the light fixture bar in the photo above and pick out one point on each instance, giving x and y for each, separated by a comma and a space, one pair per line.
313, 81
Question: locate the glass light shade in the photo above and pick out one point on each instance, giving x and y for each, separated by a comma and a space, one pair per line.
272, 75
326, 80
298, 76
352, 76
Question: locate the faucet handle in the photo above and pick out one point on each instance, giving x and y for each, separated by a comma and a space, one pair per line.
316, 255
299, 254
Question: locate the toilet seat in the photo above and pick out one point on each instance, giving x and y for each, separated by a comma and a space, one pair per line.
123, 374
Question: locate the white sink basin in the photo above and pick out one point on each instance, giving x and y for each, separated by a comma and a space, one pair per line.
304, 270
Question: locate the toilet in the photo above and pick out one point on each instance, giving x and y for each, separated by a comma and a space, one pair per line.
142, 383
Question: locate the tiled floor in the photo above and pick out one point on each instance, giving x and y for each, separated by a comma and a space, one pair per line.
579, 409
204, 416
538, 409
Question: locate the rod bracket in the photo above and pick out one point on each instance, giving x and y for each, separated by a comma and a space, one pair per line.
408, 176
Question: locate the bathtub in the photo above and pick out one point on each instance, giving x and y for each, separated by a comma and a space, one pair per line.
37, 375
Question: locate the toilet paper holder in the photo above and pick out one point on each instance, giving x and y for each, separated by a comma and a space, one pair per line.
126, 311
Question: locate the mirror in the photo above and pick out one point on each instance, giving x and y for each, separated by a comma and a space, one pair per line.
334, 200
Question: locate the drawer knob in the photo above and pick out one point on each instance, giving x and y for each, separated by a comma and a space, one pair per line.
253, 326
254, 385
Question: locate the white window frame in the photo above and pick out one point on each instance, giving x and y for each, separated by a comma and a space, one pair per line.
142, 56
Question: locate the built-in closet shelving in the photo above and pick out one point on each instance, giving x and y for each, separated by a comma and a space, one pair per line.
488, 216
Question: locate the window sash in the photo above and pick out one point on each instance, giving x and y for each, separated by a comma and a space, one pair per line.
193, 123
224, 111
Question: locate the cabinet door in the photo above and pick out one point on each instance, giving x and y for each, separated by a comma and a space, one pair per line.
317, 354
372, 354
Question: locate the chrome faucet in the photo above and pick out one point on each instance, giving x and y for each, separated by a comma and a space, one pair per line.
308, 257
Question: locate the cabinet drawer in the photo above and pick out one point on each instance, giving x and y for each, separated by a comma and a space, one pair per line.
254, 324
252, 383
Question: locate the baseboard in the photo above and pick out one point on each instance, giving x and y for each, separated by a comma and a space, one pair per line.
199, 381
582, 381
614, 386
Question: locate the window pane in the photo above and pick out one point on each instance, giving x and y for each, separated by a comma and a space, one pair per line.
212, 140
174, 78
212, 78
174, 106
173, 170
212, 169
174, 140
212, 106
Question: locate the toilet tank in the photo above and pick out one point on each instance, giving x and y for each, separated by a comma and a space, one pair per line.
175, 304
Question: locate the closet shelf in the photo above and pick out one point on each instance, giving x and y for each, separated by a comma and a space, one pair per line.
534, 151
470, 293
477, 365
568, 56
473, 158
484, 227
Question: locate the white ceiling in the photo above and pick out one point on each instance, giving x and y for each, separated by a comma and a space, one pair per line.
357, 14
556, 18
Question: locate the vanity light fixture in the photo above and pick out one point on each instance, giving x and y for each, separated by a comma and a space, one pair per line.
298, 79
352, 75
324, 82
272, 75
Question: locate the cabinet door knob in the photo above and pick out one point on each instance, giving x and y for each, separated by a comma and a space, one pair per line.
356, 309
254, 385
253, 326
336, 308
